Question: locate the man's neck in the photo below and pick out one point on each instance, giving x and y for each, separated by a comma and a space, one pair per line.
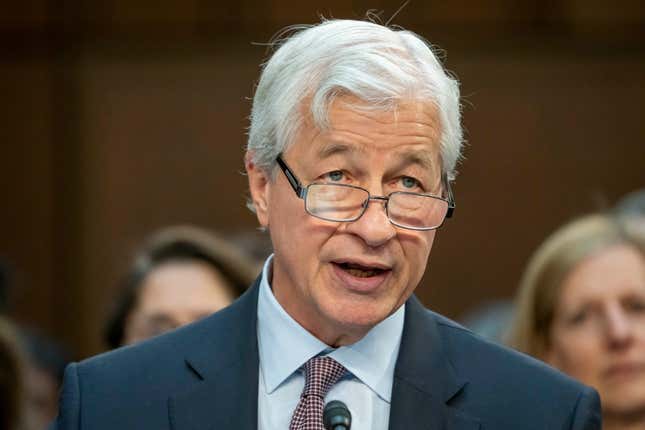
323, 329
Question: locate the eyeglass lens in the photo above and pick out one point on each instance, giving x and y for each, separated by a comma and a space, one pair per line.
335, 202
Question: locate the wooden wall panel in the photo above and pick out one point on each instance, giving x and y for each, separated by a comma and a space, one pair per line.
24, 14
163, 144
26, 154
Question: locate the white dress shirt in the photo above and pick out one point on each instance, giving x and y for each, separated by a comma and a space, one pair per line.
284, 346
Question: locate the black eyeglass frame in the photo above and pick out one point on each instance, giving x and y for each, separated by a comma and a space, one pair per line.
301, 192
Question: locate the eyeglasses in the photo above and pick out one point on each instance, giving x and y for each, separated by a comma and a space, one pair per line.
346, 203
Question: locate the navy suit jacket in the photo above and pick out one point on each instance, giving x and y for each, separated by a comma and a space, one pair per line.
205, 376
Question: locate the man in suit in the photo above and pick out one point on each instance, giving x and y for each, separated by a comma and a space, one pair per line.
355, 134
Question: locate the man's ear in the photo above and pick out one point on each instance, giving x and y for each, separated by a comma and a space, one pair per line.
259, 185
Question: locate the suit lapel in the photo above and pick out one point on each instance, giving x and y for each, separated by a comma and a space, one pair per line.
414, 409
226, 392
225, 361
424, 380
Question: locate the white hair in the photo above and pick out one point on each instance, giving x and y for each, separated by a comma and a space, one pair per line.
380, 66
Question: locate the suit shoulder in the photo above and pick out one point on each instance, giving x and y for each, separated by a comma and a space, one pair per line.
501, 380
215, 339
493, 363
130, 387
161, 355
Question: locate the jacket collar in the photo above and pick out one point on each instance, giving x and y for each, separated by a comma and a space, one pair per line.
425, 381
225, 360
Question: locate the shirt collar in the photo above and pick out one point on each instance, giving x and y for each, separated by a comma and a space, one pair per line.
284, 345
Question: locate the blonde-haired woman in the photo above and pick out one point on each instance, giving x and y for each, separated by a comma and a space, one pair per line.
581, 308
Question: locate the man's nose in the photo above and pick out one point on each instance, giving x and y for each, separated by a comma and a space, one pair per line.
619, 326
373, 227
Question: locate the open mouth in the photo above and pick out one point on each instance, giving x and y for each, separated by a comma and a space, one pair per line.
361, 271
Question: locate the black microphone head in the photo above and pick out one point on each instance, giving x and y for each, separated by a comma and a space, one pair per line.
336, 416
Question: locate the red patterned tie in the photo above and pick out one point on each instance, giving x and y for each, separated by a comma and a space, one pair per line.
320, 374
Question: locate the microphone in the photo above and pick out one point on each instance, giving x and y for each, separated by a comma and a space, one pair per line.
336, 416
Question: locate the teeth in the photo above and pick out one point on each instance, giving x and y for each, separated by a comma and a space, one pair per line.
362, 273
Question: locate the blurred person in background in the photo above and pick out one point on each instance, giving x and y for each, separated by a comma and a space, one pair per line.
181, 274
32, 363
11, 379
45, 362
581, 308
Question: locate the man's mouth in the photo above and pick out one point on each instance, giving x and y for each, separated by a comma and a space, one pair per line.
361, 271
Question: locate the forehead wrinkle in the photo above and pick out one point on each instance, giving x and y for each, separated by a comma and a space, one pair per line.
349, 140
411, 137
409, 156
420, 125
338, 147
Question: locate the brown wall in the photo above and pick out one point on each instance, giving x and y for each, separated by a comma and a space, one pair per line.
122, 117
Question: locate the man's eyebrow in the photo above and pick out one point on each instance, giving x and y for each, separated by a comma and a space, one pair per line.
422, 158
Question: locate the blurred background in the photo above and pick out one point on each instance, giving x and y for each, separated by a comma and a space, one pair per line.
120, 117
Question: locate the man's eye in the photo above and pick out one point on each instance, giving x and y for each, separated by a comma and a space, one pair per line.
410, 183
335, 176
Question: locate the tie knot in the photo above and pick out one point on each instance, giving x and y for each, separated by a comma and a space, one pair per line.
320, 374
